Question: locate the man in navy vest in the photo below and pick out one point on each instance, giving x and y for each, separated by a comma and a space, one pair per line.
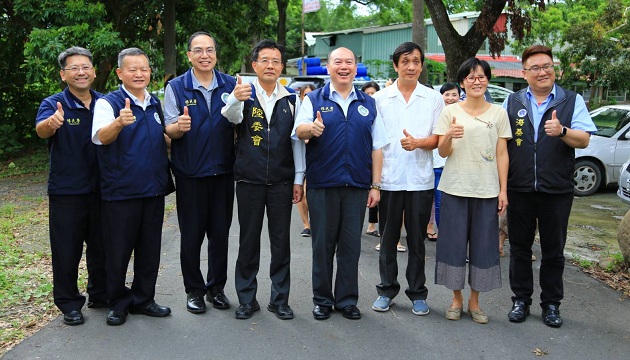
133, 162
548, 123
202, 152
343, 161
269, 172
65, 119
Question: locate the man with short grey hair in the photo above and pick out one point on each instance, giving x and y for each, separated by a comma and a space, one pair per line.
134, 180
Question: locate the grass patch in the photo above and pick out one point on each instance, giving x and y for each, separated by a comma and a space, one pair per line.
25, 281
30, 161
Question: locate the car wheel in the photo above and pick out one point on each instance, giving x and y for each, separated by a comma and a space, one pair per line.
586, 178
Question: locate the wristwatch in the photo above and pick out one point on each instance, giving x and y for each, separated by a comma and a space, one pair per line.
564, 131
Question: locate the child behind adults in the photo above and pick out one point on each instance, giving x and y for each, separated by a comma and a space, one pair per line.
473, 134
450, 94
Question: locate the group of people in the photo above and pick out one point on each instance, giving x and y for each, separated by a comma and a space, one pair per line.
110, 173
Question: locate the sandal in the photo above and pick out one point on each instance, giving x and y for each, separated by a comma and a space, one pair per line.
373, 233
432, 236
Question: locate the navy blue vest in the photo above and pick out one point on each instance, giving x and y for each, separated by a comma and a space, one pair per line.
135, 164
548, 164
73, 164
342, 156
208, 148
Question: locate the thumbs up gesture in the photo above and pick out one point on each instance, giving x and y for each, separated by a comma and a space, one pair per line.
455, 130
408, 142
318, 126
56, 120
242, 91
126, 115
184, 121
553, 126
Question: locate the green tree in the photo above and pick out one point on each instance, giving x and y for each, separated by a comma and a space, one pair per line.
597, 46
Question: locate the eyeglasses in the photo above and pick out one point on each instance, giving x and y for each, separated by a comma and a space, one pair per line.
266, 62
536, 69
200, 51
471, 79
76, 69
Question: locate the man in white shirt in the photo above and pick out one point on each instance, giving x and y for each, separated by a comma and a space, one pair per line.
410, 112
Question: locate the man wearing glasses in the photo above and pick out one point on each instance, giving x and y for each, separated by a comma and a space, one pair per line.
202, 154
548, 122
65, 119
269, 172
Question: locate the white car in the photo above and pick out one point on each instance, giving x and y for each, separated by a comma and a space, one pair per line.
624, 183
599, 164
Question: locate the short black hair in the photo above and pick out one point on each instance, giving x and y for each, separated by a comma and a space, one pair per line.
370, 84
471, 64
406, 48
448, 86
72, 51
200, 33
267, 44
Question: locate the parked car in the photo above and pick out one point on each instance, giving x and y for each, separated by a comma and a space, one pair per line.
498, 93
624, 183
599, 164
318, 81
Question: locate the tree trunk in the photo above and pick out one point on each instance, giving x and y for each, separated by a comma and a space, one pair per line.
458, 48
170, 48
418, 34
282, 24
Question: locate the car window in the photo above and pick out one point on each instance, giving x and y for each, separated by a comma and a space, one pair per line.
609, 120
498, 95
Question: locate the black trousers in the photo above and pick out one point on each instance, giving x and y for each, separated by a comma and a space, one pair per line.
337, 216
416, 207
73, 220
133, 225
373, 215
551, 212
204, 208
252, 200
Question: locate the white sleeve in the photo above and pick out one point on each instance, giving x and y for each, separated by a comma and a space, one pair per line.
103, 116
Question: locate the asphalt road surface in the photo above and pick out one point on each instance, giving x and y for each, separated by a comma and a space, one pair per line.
596, 320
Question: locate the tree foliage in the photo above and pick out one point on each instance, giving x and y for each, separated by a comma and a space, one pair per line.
597, 45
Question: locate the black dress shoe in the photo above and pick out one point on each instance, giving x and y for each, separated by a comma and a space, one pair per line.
321, 312
115, 317
283, 311
551, 316
519, 312
96, 304
74, 317
245, 311
351, 312
218, 299
195, 303
151, 309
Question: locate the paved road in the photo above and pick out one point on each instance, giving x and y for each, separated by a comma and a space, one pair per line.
596, 321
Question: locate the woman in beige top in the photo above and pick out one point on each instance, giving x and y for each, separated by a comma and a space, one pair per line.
473, 135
